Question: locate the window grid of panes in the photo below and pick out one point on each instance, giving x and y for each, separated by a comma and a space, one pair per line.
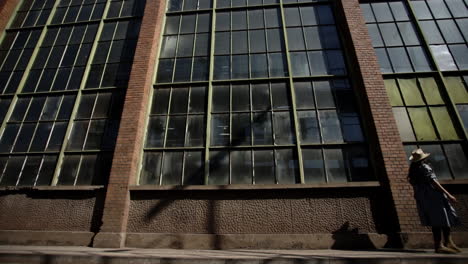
39, 138
421, 107
251, 114
397, 45
184, 56
445, 26
78, 10
33, 13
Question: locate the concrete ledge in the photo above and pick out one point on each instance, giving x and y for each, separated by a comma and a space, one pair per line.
109, 240
49, 238
425, 240
256, 241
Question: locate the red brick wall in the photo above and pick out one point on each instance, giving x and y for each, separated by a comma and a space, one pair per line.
385, 141
6, 10
131, 132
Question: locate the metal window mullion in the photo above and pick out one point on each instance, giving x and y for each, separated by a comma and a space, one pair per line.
440, 77
21, 171
210, 93
291, 94
39, 170
78, 97
167, 117
78, 169
230, 131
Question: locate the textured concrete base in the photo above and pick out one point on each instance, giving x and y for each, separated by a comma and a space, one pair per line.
51, 238
425, 240
75, 255
109, 240
256, 241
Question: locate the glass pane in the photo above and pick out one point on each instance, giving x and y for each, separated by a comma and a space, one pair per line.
221, 99
403, 124
51, 108
47, 170
183, 69
239, 20
431, 90
20, 109
87, 170
30, 170
457, 90
335, 167
196, 131
393, 92
257, 41
258, 65
459, 53
156, 131
410, 91
165, 70
422, 123
194, 172
286, 167
241, 43
299, 64
240, 98
351, 127
86, 106
221, 67
241, 167
419, 59
260, 97
384, 62
318, 63
179, 100
220, 130
304, 95
421, 10
463, 111
458, 161
443, 57
151, 170
168, 46
438, 161
41, 136
264, 167
256, 18
219, 168
176, 131
390, 34
241, 129
69, 170
450, 31
240, 69
197, 99
277, 65
293, 18
399, 60
172, 168
331, 130
160, 101
295, 39
314, 170
323, 94
261, 126
431, 32
280, 95
12, 171
358, 160
382, 12
24, 137
375, 35
284, 132
309, 127
399, 10
444, 123
56, 139
222, 43
95, 133
275, 40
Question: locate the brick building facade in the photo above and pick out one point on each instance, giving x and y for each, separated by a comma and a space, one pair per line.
224, 124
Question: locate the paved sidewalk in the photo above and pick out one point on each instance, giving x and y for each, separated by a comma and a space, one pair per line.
85, 255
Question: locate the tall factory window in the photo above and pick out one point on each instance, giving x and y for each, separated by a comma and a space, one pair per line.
62, 123
428, 95
252, 92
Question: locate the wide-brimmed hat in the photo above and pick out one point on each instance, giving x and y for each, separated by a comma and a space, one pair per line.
418, 155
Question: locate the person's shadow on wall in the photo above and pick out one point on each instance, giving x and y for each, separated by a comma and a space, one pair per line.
346, 238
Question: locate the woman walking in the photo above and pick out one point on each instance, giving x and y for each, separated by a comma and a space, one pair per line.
433, 203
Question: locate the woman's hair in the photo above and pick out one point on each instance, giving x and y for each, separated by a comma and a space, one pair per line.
413, 170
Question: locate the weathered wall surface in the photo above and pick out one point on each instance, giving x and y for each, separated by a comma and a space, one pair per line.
50, 210
344, 210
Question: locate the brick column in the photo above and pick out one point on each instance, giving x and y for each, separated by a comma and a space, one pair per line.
384, 138
7, 8
131, 131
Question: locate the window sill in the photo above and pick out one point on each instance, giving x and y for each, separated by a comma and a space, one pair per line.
255, 187
53, 188
456, 181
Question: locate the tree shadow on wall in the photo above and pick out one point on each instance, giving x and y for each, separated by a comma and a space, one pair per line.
215, 165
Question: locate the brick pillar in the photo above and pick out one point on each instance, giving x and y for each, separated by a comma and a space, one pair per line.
384, 138
7, 8
131, 131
